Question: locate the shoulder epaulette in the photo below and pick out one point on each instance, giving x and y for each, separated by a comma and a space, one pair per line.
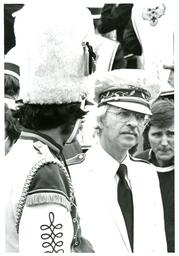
79, 158
139, 160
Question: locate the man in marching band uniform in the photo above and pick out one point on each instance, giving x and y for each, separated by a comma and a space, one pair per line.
41, 210
119, 196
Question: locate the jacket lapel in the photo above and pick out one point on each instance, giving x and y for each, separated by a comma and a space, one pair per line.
110, 205
114, 210
116, 214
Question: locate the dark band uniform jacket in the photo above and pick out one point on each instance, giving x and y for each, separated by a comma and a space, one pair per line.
42, 179
166, 177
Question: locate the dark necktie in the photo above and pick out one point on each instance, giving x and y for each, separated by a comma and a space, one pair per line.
125, 201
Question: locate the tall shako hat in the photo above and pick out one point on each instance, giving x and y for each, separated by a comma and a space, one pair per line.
11, 66
54, 51
131, 89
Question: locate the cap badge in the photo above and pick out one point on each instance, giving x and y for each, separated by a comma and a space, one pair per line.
131, 91
153, 14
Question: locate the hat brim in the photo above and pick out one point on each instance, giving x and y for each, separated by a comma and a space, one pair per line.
132, 106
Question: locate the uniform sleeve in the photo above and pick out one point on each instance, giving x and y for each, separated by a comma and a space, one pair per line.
114, 17
46, 225
49, 186
45, 228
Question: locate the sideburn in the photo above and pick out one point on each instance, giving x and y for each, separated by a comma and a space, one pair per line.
67, 128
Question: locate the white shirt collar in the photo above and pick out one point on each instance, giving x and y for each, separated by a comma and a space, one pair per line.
107, 165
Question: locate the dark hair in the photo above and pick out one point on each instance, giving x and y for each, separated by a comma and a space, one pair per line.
162, 117
11, 85
146, 143
133, 150
12, 128
44, 117
162, 113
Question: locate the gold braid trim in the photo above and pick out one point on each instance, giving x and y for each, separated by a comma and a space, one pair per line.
47, 197
30, 176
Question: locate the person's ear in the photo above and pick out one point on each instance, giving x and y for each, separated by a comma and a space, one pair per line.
101, 124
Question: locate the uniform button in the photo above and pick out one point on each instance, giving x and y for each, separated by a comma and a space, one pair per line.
38, 144
80, 156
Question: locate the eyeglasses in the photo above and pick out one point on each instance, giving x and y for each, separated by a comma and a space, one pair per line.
126, 114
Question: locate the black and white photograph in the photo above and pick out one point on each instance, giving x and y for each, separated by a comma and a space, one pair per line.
88, 127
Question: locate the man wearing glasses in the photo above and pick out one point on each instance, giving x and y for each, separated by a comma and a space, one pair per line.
119, 196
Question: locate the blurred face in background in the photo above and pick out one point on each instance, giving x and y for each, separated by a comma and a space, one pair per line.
162, 143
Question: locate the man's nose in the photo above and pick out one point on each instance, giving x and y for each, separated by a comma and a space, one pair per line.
164, 140
133, 122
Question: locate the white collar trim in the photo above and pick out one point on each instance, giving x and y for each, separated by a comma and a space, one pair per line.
165, 169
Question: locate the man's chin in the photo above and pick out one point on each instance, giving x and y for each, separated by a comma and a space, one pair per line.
129, 142
165, 158
128, 145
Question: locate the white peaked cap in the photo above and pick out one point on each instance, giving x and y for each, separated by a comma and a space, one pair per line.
49, 37
131, 89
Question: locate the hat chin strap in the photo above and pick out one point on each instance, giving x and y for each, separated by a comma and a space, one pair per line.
74, 132
77, 125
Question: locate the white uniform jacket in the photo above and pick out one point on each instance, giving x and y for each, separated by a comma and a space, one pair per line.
41, 214
95, 186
